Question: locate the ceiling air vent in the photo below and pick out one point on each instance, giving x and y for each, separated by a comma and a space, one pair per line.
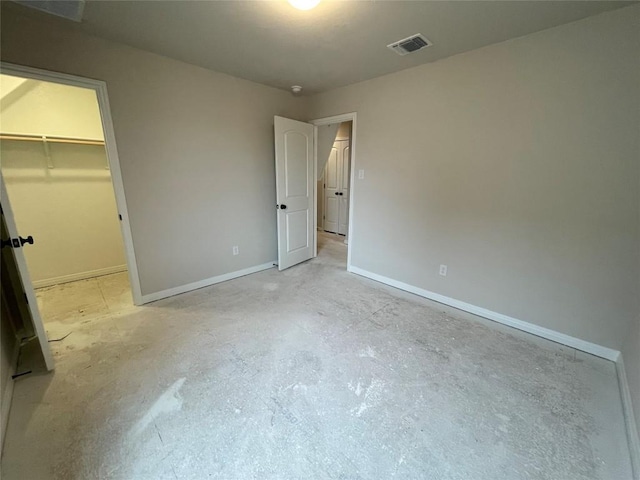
410, 44
71, 9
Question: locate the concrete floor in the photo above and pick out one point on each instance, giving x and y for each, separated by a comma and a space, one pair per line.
307, 373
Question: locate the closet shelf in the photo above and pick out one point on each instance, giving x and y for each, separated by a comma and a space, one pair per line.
46, 138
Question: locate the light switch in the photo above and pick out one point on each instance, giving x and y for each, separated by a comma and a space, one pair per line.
360, 174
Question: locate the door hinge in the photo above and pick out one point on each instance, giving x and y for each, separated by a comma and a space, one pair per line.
120, 217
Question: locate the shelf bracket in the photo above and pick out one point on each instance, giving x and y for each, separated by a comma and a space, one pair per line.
47, 152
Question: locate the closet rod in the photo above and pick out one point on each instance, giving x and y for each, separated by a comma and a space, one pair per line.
44, 138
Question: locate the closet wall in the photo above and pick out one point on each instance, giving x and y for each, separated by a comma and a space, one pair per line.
62, 194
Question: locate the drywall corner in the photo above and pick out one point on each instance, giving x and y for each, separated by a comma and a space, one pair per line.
633, 436
628, 368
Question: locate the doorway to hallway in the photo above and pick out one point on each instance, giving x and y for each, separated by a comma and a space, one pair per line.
333, 216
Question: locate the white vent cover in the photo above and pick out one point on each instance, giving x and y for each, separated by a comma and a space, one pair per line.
410, 44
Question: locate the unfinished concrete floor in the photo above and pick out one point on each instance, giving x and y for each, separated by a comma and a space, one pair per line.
310, 373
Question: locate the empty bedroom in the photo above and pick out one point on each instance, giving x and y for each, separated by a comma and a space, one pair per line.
315, 239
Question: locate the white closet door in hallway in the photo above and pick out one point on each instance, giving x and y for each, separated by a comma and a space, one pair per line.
336, 189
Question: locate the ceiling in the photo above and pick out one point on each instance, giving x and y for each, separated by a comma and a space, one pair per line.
337, 43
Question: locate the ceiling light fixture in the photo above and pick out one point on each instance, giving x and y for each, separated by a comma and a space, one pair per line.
304, 4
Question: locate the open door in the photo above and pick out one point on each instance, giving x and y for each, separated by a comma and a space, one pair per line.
12, 244
294, 191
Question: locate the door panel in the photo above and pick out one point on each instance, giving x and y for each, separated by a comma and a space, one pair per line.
343, 226
332, 214
25, 279
294, 190
331, 175
331, 192
296, 171
297, 227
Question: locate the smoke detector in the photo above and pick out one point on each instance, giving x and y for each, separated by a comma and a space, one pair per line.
296, 89
410, 44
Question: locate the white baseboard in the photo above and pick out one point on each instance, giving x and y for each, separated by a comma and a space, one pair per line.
152, 297
47, 282
588, 347
633, 435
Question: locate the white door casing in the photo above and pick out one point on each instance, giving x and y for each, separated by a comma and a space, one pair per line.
346, 117
294, 154
27, 286
100, 87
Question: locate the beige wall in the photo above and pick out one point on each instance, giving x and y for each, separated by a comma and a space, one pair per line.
325, 138
344, 132
517, 166
70, 210
195, 147
31, 107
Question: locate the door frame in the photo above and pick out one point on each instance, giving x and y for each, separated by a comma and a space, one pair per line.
345, 117
100, 87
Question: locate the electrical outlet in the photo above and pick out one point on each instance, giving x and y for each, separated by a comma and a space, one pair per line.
360, 174
236, 250
443, 270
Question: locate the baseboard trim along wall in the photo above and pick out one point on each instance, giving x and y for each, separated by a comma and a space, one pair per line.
588, 347
152, 297
578, 344
47, 282
633, 435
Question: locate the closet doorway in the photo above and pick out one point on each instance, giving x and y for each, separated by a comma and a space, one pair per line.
334, 181
64, 193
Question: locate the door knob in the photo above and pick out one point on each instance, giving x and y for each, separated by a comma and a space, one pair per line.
337, 193
28, 240
283, 207
17, 242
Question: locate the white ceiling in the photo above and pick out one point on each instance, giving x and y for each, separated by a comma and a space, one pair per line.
335, 44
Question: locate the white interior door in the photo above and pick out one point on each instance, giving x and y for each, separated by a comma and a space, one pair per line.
294, 190
27, 286
345, 157
336, 189
332, 192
